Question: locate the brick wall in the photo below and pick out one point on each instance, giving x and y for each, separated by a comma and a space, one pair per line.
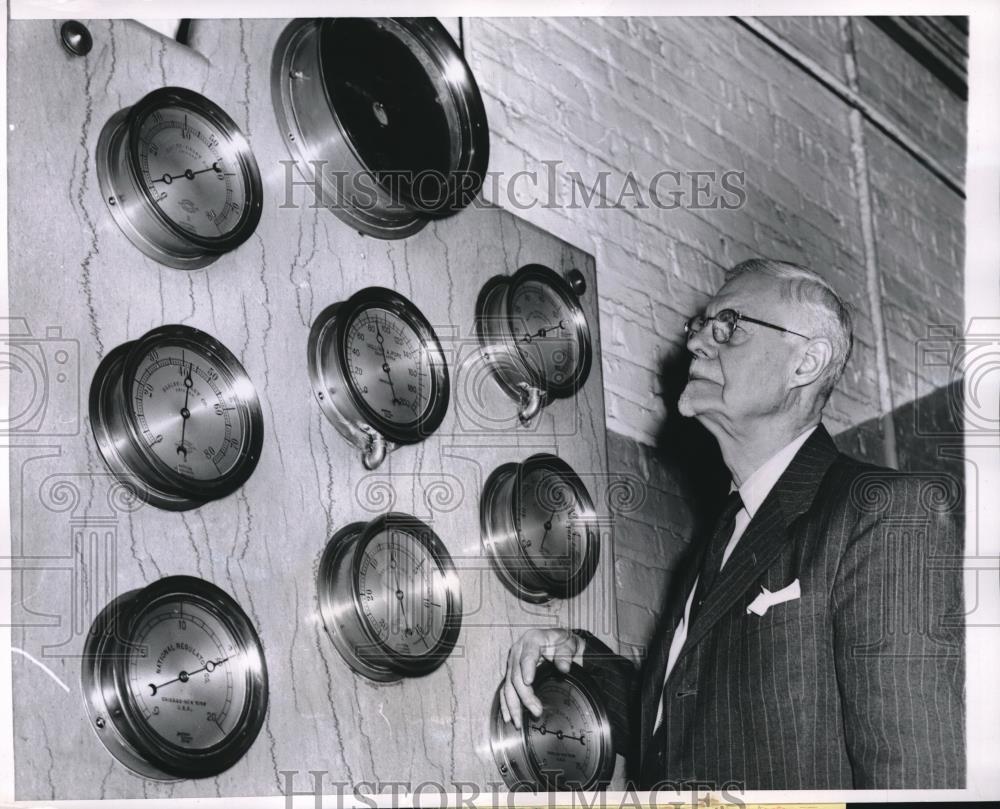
643, 95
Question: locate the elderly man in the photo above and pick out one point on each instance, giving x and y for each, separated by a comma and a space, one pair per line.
815, 640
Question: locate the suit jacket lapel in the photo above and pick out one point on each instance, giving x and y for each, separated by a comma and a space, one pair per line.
767, 532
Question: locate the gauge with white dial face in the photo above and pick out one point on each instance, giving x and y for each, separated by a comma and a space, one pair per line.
539, 528
568, 747
565, 739
191, 171
187, 412
176, 417
378, 371
402, 592
174, 679
544, 329
534, 335
179, 178
186, 675
389, 365
389, 597
553, 529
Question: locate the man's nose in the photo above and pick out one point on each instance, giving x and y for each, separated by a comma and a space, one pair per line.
702, 344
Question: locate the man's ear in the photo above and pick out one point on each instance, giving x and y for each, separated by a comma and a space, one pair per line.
813, 361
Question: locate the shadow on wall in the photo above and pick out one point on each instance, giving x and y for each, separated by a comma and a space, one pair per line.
687, 451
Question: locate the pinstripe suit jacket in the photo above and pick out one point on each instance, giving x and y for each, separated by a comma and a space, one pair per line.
858, 684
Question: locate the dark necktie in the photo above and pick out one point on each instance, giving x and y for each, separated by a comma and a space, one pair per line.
712, 561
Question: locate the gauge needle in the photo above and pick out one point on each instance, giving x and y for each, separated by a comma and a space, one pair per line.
185, 413
548, 527
561, 325
385, 362
399, 593
184, 676
559, 734
169, 178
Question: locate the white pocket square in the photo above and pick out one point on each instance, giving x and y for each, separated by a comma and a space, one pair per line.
766, 599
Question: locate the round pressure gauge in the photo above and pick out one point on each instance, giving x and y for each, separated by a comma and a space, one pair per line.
384, 117
174, 679
567, 748
176, 417
389, 597
535, 336
179, 178
539, 528
378, 372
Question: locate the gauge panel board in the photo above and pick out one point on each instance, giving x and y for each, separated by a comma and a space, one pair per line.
264, 542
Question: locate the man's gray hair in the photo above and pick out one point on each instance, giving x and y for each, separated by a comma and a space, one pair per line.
829, 313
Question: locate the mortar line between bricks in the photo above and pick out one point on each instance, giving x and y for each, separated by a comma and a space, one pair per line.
854, 99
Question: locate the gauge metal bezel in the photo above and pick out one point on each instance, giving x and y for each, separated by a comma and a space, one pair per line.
511, 749
118, 437
113, 710
336, 391
514, 368
132, 206
500, 525
316, 136
344, 618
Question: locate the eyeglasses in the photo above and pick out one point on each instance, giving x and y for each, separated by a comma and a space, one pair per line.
724, 323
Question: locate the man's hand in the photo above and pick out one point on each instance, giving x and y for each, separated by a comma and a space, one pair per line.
560, 646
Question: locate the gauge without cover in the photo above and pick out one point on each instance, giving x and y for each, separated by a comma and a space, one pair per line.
388, 112
174, 679
179, 178
378, 371
539, 528
176, 417
389, 597
535, 335
567, 748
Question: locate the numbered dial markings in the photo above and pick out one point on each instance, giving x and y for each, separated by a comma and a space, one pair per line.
568, 747
389, 597
190, 171
187, 413
565, 739
176, 418
552, 530
543, 327
174, 679
389, 365
402, 593
185, 677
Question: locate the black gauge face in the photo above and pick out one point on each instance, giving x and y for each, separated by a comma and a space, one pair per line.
403, 593
389, 366
187, 412
187, 675
396, 116
544, 328
191, 171
565, 739
551, 528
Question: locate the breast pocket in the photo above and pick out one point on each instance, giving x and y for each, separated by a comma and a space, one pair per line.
789, 616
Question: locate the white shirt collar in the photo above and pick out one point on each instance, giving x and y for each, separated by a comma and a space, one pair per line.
757, 487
